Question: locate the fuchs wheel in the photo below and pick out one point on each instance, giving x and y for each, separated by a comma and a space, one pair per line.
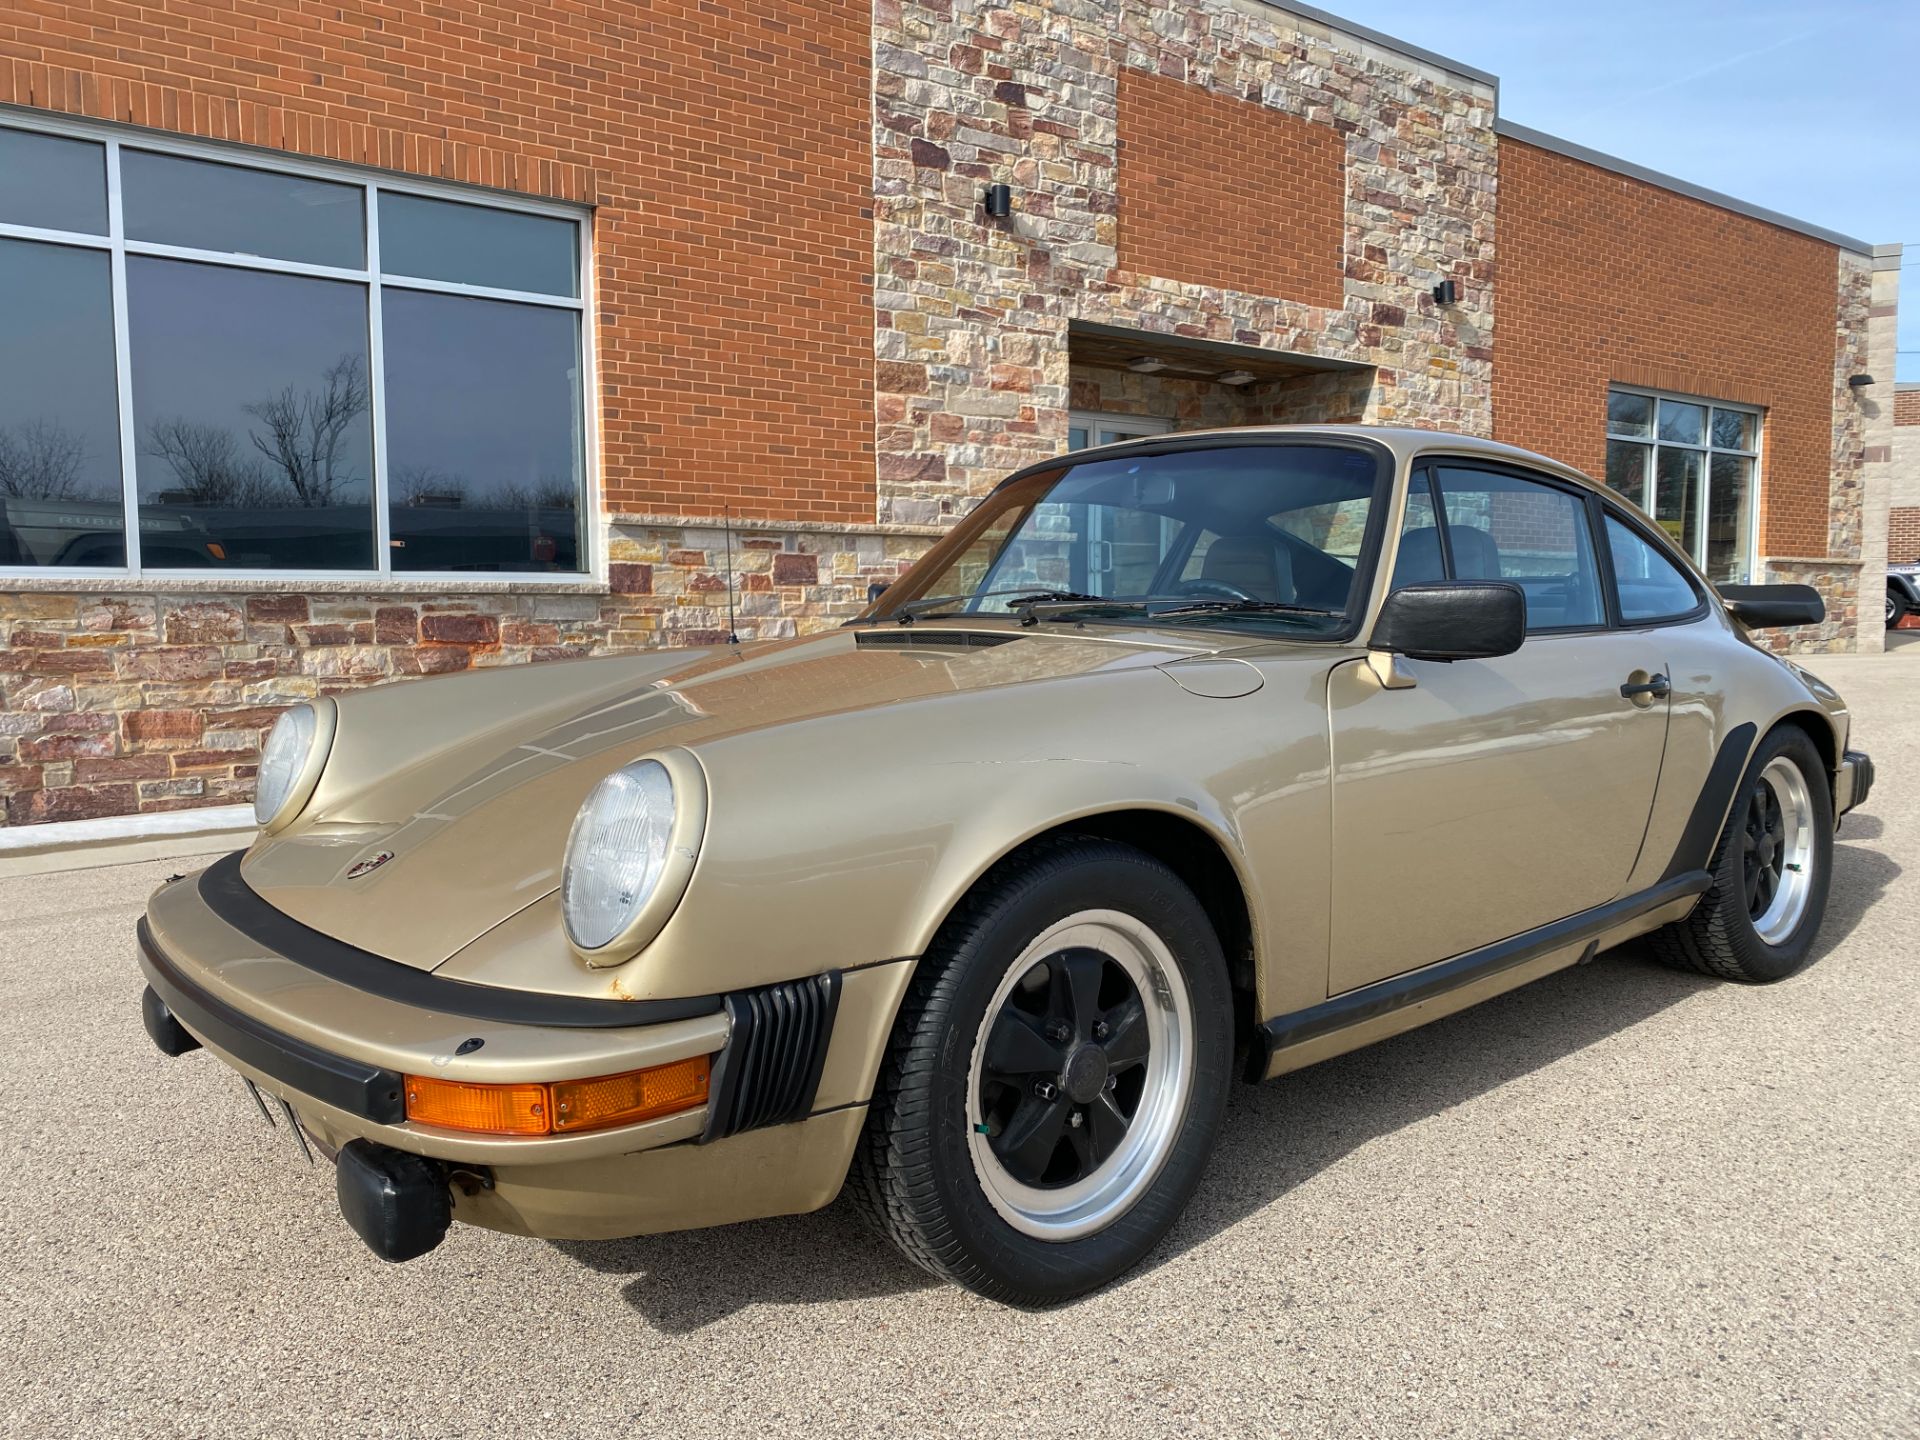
1896, 607
1056, 1076
1771, 870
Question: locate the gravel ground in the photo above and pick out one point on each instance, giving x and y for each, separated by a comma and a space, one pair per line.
1621, 1201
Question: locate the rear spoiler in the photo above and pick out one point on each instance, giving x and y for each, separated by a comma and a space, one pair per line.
1773, 607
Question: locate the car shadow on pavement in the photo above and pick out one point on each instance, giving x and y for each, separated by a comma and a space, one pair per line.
683, 1282
1280, 1134
1276, 1136
1860, 877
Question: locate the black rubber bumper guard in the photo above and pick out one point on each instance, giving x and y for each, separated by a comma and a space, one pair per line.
767, 1073
1862, 765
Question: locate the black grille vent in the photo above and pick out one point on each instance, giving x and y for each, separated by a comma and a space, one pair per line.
770, 1069
935, 639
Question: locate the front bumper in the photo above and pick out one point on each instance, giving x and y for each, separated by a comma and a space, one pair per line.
336, 1052
1853, 783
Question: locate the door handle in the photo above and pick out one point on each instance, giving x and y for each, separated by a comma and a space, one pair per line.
1658, 687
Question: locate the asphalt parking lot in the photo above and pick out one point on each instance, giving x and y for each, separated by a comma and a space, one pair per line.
1622, 1201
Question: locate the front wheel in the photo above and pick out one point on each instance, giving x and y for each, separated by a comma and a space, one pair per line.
1056, 1076
1757, 921
1897, 607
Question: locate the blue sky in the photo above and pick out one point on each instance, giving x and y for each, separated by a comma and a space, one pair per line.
1804, 108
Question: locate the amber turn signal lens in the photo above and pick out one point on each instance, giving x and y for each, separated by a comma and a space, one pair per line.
490, 1109
566, 1106
634, 1096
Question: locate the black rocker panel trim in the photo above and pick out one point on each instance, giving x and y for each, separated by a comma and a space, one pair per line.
769, 1071
1695, 850
1397, 992
351, 1085
229, 896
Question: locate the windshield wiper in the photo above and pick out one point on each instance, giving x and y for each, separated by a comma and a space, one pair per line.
1028, 607
1021, 597
1240, 607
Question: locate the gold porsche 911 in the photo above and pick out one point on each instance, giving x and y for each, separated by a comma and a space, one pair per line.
1181, 760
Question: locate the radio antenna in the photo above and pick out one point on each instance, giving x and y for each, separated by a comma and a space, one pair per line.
726, 512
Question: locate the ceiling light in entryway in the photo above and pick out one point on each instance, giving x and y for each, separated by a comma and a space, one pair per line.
1146, 364
1237, 377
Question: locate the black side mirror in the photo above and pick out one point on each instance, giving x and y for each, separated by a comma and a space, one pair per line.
1459, 620
876, 590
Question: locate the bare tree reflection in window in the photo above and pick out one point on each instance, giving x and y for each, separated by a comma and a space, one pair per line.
208, 464
42, 460
305, 431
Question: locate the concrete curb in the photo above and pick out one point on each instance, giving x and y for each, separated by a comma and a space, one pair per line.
123, 839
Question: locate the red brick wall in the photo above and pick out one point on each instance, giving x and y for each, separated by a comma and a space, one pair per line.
1903, 521
1216, 191
1903, 534
1604, 278
726, 144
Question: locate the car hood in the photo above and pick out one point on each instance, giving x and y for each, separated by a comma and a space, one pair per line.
453, 797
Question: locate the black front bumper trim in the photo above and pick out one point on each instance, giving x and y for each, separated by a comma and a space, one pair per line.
228, 895
354, 1086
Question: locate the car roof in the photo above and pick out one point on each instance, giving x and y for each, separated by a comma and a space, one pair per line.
1405, 441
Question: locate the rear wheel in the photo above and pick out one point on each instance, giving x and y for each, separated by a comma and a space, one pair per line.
1055, 1079
1757, 921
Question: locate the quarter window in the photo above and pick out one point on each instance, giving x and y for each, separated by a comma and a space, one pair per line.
1691, 465
312, 371
1649, 585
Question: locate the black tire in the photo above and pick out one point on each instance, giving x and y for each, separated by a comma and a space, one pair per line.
914, 1177
1720, 937
1897, 607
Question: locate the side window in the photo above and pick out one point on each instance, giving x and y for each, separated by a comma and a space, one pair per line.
1651, 587
1503, 527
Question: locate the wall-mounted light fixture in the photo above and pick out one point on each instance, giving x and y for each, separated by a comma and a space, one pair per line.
1237, 377
1447, 292
1146, 364
1859, 382
998, 200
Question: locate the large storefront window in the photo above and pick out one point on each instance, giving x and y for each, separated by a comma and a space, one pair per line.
212, 364
1691, 465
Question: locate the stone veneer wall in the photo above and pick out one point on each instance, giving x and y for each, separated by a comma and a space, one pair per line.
1330, 397
975, 372
1837, 576
158, 697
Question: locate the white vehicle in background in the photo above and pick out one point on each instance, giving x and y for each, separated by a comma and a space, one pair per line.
1903, 591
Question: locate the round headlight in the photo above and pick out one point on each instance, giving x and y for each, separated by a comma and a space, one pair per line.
620, 847
283, 761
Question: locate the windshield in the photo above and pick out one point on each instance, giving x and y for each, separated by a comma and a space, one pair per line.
1274, 534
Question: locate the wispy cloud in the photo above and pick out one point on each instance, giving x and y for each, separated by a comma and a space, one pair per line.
1728, 62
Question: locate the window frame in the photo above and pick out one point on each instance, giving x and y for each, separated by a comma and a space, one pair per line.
1601, 504
371, 182
1134, 427
1706, 450
1372, 546
1423, 473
